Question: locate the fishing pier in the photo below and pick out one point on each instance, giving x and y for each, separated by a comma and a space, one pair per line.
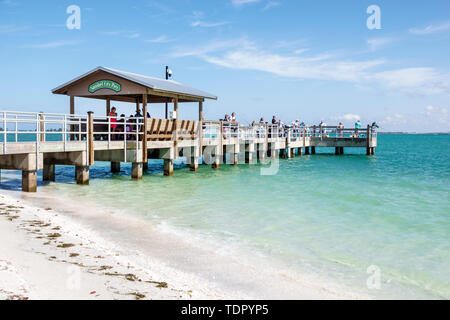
40, 141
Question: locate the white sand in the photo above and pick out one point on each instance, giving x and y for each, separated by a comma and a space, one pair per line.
46, 254
32, 266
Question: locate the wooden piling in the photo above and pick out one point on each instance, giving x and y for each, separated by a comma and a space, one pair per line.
82, 175
48, 173
137, 170
168, 167
193, 160
29, 181
115, 167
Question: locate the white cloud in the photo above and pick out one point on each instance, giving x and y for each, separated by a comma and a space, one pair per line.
348, 117
10, 3
211, 47
160, 39
270, 4
430, 29
245, 55
123, 33
435, 111
242, 2
133, 35
11, 28
377, 43
204, 24
51, 45
414, 80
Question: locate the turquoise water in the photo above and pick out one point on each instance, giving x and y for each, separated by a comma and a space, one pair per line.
329, 215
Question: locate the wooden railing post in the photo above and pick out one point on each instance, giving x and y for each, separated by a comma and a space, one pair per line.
175, 143
368, 140
42, 126
200, 138
221, 134
145, 129
90, 133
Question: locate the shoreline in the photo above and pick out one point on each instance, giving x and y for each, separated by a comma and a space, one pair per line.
46, 255
60, 245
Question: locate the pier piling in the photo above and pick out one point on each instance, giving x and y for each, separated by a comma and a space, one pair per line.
115, 167
82, 174
48, 173
29, 181
137, 170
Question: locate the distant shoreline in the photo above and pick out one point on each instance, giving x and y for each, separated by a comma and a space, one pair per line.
418, 133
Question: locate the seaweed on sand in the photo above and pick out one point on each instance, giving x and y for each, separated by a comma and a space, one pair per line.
66, 245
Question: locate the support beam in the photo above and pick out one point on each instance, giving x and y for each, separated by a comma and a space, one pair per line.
261, 155
193, 165
200, 111
91, 154
108, 107
192, 156
29, 181
72, 105
168, 167
115, 167
137, 170
235, 159
248, 157
216, 158
300, 152
249, 149
293, 152
82, 175
313, 150
138, 105
167, 110
145, 166
49, 172
272, 151
283, 153
337, 151
144, 136
342, 150
307, 151
175, 124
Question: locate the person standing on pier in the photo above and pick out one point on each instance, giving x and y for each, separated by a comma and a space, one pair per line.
113, 121
321, 126
357, 127
341, 130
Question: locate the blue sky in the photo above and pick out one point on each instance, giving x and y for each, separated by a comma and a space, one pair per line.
307, 60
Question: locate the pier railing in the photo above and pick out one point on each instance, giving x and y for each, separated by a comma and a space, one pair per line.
32, 127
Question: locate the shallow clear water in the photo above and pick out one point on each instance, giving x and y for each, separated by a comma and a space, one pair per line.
329, 215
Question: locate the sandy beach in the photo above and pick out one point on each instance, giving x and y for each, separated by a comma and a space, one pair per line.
46, 254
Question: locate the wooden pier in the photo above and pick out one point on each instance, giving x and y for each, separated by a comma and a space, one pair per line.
39, 141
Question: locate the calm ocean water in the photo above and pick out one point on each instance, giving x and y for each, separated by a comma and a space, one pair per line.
334, 216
